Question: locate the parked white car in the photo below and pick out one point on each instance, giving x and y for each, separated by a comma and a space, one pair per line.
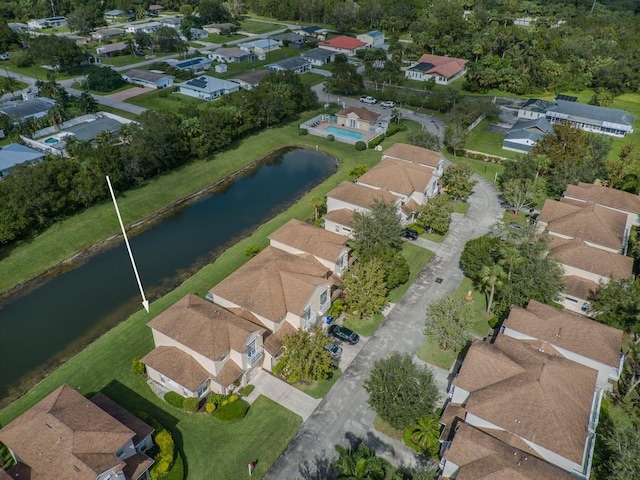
368, 99
388, 104
4, 56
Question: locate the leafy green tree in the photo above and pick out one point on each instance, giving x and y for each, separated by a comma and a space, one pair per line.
304, 358
424, 435
87, 103
520, 194
448, 321
85, 18
345, 79
424, 139
602, 98
401, 391
455, 137
104, 80
7, 36
395, 266
357, 171
457, 181
214, 11
381, 227
167, 39
359, 464
435, 215
478, 253
364, 287
60, 52
491, 279
617, 303
319, 205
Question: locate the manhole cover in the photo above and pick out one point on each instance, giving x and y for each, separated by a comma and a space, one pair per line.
438, 280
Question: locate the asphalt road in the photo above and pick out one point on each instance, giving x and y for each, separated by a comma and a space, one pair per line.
344, 417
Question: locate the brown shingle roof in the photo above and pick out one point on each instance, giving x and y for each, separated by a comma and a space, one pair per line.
124, 416
209, 329
398, 176
177, 365
273, 283
359, 195
481, 456
229, 372
311, 239
576, 253
592, 223
411, 153
446, 67
66, 436
579, 287
608, 197
541, 398
361, 112
567, 330
341, 216
273, 342
136, 465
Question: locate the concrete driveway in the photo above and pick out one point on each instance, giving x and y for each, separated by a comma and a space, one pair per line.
344, 415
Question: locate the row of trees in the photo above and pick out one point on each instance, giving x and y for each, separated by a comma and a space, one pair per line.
35, 196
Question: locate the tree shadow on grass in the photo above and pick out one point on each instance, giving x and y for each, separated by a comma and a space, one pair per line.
138, 405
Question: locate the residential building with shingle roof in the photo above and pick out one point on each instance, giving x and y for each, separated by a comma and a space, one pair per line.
208, 88
318, 56
443, 70
147, 78
277, 287
570, 335
542, 404
299, 237
411, 153
68, 436
524, 134
202, 347
606, 197
295, 65
22, 110
474, 454
343, 44
598, 226
251, 79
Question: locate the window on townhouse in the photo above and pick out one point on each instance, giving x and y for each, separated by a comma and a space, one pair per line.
323, 297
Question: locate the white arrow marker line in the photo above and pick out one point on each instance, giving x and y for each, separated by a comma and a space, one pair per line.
145, 302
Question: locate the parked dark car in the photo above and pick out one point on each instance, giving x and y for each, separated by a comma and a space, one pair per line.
334, 349
410, 233
344, 334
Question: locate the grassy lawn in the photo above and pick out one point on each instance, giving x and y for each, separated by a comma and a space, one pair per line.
36, 71
9, 85
117, 111
213, 38
417, 258
460, 207
251, 26
488, 170
320, 389
434, 237
481, 140
311, 79
431, 352
122, 60
83, 86
173, 102
383, 427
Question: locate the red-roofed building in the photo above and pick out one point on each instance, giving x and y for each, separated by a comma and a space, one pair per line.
343, 44
443, 70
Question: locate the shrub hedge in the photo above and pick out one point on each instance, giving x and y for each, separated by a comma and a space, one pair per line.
164, 458
232, 411
191, 404
174, 399
374, 142
331, 138
392, 130
247, 390
137, 366
360, 145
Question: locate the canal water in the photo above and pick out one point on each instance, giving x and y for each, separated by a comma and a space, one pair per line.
40, 329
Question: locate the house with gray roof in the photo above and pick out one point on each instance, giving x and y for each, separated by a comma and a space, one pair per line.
251, 79
148, 78
220, 28
590, 118
525, 134
23, 110
16, 154
290, 39
318, 56
295, 65
232, 55
208, 88
195, 64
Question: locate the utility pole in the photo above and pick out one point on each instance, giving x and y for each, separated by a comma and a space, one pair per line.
53, 9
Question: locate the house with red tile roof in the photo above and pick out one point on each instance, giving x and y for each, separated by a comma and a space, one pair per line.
576, 337
343, 44
66, 435
443, 70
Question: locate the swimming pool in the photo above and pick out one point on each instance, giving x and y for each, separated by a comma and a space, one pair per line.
342, 132
51, 140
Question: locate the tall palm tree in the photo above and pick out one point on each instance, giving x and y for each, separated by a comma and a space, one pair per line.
319, 205
510, 257
491, 279
425, 433
359, 464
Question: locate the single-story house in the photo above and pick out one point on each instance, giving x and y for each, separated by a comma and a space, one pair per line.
113, 49
542, 403
113, 14
105, 34
201, 347
18, 27
232, 55
295, 65
443, 70
473, 454
301, 238
172, 22
195, 64
348, 197
359, 118
374, 38
251, 79
155, 10
148, 27
17, 154
343, 44
65, 435
51, 22
208, 88
312, 31
572, 336
22, 110
290, 39
260, 47
598, 226
524, 134
590, 118
220, 28
318, 56
198, 33
148, 78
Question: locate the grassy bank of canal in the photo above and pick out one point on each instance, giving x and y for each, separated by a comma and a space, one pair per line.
105, 365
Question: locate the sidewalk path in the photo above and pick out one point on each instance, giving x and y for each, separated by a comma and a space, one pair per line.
344, 414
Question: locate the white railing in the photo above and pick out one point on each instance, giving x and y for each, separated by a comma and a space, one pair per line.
255, 357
